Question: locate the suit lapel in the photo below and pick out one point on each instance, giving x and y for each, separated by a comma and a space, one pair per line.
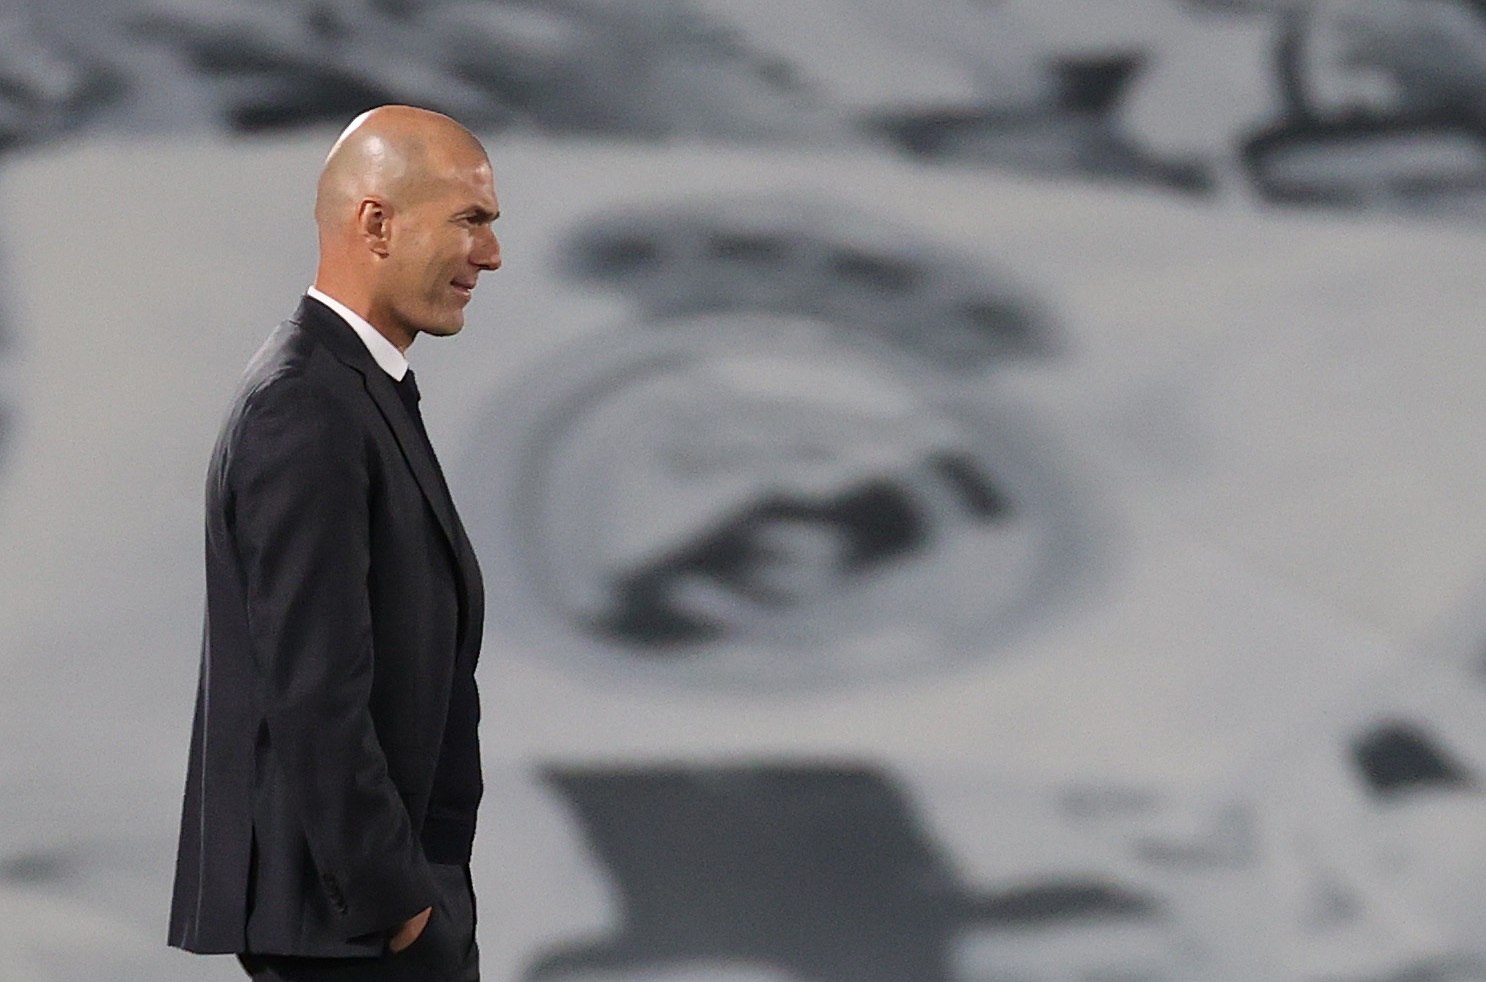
345, 345
430, 477
425, 469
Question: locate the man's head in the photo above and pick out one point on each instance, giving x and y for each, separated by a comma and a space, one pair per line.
404, 207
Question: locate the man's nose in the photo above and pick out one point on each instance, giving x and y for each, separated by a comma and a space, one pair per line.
487, 251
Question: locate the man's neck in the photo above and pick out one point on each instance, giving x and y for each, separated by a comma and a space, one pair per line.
383, 350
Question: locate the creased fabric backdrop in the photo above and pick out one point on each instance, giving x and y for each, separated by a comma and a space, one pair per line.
984, 491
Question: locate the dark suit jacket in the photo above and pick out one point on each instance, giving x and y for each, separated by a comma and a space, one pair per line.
340, 589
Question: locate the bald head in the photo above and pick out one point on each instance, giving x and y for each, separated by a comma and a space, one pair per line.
404, 207
392, 152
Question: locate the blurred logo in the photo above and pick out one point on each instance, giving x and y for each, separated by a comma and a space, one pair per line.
787, 471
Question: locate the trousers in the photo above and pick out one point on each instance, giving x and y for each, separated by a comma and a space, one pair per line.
445, 952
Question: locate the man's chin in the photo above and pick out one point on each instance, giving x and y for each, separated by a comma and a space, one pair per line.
447, 329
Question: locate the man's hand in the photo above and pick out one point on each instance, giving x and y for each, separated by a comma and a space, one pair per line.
410, 930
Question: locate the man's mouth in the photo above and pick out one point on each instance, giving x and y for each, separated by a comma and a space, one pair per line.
465, 288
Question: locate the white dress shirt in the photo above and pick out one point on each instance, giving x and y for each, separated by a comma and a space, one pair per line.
383, 351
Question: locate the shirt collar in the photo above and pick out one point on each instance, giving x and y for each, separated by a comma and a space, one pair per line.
384, 352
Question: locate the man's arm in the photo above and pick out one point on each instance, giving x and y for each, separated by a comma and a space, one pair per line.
299, 506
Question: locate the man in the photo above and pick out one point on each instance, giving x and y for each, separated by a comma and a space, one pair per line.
334, 772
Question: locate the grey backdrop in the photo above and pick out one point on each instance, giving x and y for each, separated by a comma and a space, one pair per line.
984, 491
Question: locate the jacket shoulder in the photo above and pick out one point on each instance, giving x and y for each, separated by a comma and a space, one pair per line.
294, 384
295, 365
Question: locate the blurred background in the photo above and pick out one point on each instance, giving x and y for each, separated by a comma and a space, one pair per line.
980, 491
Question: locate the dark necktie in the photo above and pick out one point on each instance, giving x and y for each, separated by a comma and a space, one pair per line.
407, 390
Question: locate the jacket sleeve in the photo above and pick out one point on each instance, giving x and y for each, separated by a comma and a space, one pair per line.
299, 501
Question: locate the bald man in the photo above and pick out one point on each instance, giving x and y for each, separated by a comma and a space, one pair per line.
334, 773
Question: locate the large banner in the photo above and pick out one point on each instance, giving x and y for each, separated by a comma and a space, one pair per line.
976, 494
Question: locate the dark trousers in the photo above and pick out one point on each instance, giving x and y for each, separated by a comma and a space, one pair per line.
444, 952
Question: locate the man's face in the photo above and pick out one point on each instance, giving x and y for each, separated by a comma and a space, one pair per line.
440, 241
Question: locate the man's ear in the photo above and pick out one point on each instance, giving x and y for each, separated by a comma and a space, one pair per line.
374, 222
